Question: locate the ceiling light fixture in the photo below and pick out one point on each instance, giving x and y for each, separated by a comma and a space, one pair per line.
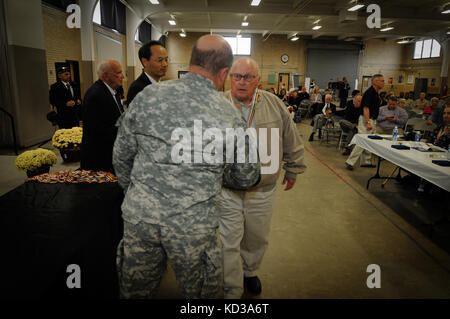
355, 7
244, 24
183, 35
294, 38
317, 27
172, 22
255, 3
386, 29
403, 41
446, 11
154, 1
238, 35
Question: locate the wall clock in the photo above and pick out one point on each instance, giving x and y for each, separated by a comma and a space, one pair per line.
285, 58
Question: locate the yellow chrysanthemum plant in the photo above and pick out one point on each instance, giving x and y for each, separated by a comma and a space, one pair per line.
67, 138
34, 159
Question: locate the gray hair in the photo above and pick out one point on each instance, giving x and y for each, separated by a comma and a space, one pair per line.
328, 95
376, 76
434, 99
103, 67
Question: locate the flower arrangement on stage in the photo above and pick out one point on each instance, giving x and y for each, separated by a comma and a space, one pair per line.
35, 160
68, 138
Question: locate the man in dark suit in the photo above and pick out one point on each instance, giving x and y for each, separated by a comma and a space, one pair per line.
66, 98
154, 59
101, 109
327, 110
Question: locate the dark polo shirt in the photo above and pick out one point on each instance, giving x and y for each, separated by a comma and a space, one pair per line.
372, 100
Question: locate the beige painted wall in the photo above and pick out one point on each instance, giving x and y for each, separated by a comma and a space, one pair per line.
392, 59
266, 53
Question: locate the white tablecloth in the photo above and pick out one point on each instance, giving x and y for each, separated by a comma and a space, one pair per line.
414, 161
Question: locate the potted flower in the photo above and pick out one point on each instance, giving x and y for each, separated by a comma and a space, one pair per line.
36, 162
68, 142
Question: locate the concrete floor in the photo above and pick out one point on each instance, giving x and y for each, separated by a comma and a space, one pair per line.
329, 228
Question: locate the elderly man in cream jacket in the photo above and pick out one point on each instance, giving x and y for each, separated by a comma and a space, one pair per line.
245, 215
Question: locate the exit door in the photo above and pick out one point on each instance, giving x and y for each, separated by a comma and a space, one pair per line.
283, 81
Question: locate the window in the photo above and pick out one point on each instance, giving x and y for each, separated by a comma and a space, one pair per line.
136, 37
427, 49
97, 17
240, 46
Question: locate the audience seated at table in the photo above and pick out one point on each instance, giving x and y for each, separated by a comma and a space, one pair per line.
327, 110
437, 115
390, 116
421, 103
430, 108
383, 98
441, 135
409, 101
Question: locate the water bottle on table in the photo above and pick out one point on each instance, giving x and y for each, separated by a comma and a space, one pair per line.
417, 139
395, 134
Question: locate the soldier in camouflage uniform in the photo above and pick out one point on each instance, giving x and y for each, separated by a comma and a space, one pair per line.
170, 208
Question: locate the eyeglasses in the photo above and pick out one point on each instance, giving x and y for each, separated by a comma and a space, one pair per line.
237, 77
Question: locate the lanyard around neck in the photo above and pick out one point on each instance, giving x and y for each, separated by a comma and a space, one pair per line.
251, 111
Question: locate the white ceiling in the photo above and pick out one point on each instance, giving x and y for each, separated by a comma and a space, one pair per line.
410, 18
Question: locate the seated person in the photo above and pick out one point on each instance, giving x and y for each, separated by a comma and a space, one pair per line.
420, 104
409, 101
349, 124
441, 135
327, 91
316, 97
328, 109
271, 90
383, 98
303, 94
390, 116
402, 103
430, 108
283, 96
294, 100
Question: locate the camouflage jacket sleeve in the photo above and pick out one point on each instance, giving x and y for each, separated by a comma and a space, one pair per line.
242, 173
125, 149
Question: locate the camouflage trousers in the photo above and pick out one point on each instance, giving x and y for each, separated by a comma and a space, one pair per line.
195, 257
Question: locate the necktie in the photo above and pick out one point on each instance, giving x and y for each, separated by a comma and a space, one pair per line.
119, 102
68, 89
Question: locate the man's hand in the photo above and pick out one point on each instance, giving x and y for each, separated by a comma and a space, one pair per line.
70, 103
78, 102
369, 126
429, 122
290, 183
393, 119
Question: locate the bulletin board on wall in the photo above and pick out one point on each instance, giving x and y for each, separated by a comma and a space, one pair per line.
271, 78
366, 82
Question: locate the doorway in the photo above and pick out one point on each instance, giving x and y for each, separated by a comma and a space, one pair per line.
283, 81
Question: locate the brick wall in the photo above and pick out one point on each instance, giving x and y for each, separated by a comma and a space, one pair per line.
61, 43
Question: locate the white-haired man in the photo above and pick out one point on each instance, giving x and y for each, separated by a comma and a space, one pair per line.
101, 109
245, 215
327, 110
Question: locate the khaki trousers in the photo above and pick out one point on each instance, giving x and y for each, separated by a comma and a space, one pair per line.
244, 231
366, 156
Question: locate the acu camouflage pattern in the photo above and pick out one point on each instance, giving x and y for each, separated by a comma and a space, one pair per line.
159, 191
195, 257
